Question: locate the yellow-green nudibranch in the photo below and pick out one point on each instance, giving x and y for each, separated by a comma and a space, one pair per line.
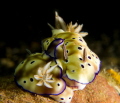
71, 52
66, 64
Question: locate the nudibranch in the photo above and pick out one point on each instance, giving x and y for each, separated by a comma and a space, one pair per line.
71, 52
66, 64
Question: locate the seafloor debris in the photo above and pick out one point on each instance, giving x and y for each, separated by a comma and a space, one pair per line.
112, 74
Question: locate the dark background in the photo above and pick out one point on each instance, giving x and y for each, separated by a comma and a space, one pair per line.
28, 22
24, 25
97, 19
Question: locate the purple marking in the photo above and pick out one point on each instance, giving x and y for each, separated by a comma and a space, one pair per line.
54, 46
99, 68
91, 80
55, 50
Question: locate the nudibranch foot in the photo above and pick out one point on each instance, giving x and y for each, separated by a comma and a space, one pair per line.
64, 97
74, 84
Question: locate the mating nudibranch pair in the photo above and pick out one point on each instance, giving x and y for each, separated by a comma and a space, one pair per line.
66, 64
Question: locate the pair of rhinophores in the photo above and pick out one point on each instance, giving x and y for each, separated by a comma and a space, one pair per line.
66, 64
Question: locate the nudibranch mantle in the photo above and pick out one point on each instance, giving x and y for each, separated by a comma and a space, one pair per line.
39, 76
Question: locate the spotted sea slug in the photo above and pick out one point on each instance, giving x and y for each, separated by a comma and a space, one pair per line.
66, 64
71, 52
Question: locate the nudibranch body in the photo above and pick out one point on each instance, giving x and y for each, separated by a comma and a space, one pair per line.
71, 52
66, 64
